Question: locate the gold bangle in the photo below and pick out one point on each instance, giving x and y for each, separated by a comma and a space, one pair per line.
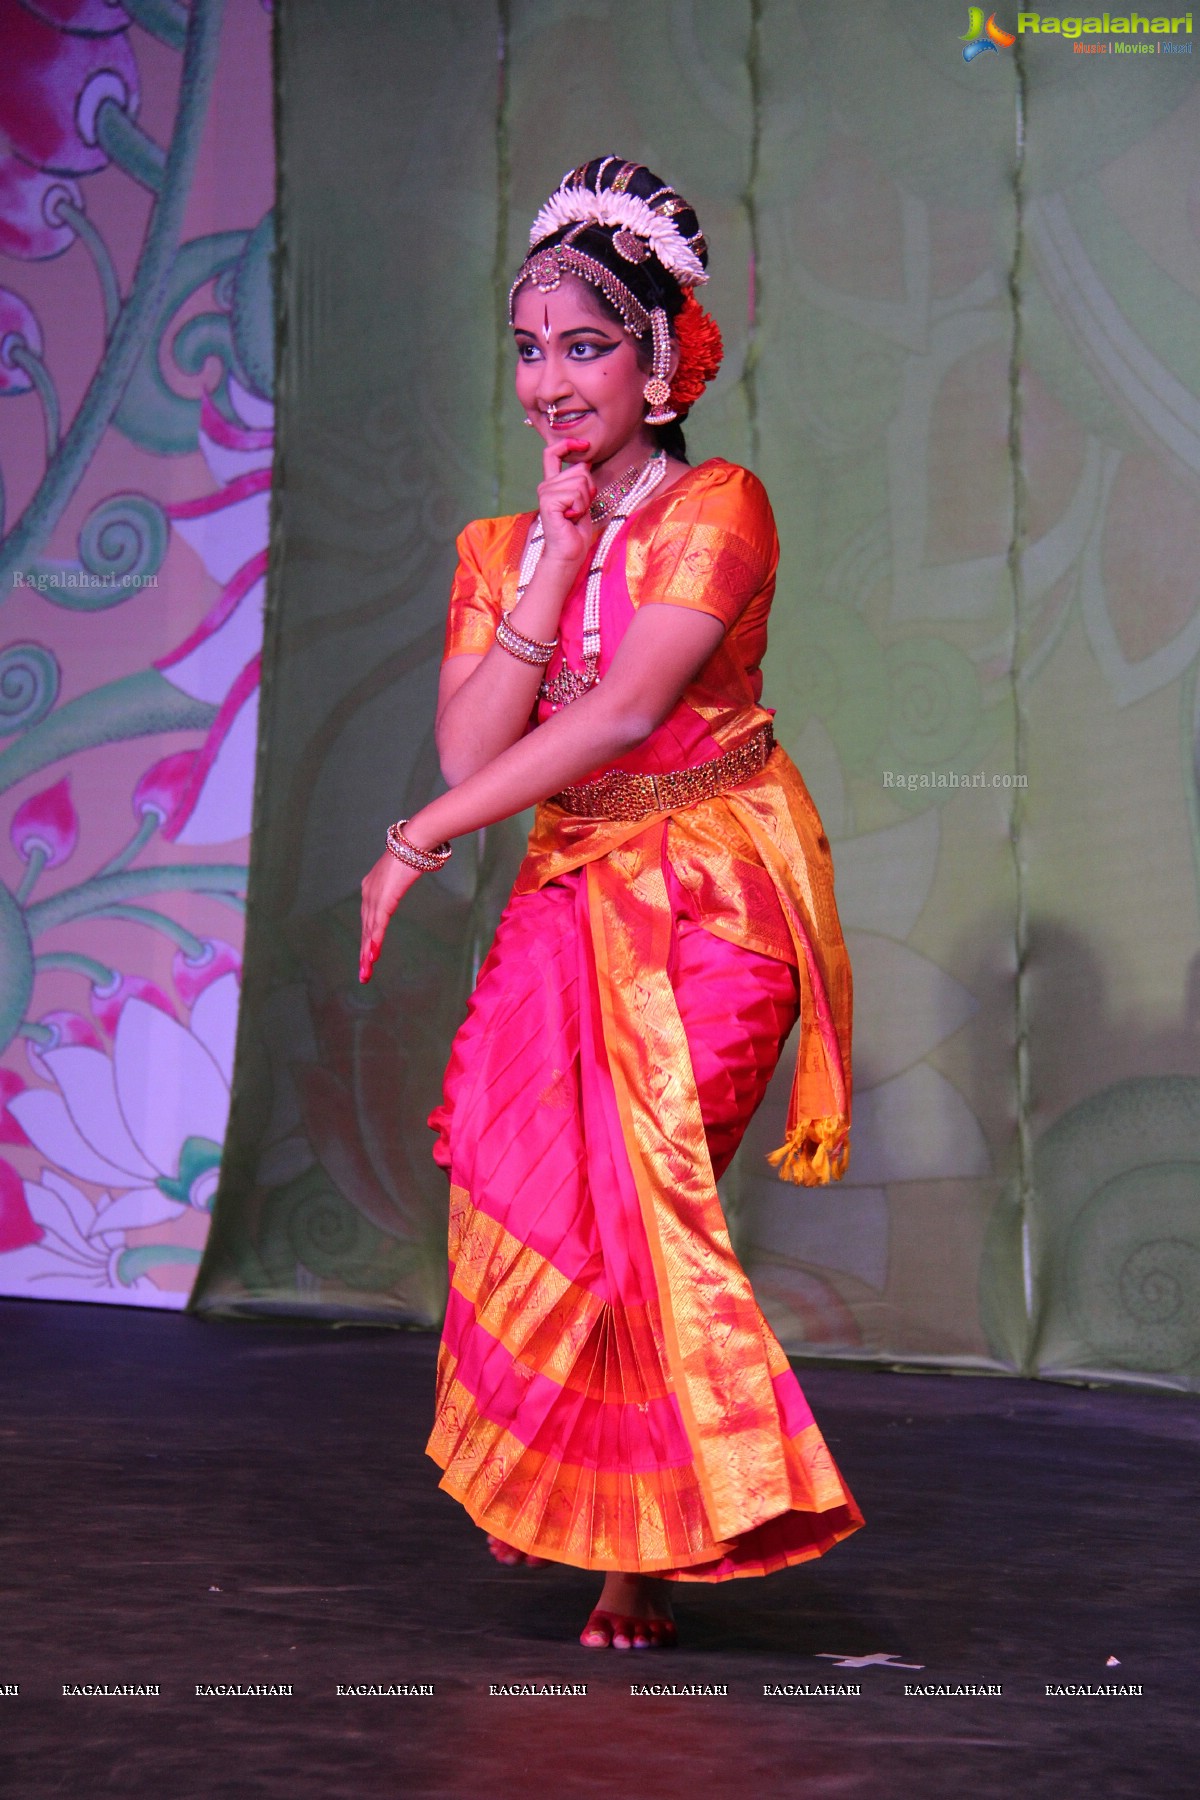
525, 649
414, 854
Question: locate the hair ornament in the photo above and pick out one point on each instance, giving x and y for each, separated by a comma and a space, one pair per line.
624, 212
627, 244
700, 352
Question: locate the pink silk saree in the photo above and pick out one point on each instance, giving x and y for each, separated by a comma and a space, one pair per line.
609, 1394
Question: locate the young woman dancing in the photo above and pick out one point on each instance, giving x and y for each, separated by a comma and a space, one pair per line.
609, 1394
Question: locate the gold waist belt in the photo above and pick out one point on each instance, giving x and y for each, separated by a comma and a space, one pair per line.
621, 795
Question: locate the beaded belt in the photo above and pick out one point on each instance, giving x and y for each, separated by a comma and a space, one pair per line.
621, 795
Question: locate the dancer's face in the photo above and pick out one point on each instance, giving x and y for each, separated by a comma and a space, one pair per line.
579, 374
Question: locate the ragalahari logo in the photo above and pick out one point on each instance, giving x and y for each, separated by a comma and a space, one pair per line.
979, 36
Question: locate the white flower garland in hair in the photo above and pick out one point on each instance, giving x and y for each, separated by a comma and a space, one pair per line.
583, 206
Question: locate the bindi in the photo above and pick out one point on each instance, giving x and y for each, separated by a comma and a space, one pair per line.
546, 324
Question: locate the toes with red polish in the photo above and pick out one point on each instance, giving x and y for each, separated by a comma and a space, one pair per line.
597, 1634
621, 1632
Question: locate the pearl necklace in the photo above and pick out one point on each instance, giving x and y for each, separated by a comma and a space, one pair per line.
569, 684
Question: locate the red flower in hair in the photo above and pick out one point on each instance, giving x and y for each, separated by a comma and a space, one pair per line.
700, 351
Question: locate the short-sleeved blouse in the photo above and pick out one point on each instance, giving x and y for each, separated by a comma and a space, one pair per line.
709, 542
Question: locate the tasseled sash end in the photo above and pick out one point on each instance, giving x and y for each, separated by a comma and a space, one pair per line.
816, 1152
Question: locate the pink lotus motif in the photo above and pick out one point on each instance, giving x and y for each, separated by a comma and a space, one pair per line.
79, 1252
10, 1085
109, 999
153, 1148
194, 974
18, 329
29, 225
164, 789
227, 752
18, 1227
208, 800
46, 822
55, 82
65, 1028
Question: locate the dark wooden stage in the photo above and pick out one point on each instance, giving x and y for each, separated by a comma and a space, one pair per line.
194, 1504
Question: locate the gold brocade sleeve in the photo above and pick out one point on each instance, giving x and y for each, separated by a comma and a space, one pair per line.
489, 551
715, 549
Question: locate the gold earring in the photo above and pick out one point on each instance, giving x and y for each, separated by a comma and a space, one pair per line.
657, 390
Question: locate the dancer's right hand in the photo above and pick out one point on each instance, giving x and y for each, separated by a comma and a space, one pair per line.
565, 497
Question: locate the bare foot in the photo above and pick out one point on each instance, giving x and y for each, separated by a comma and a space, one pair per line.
634, 1613
513, 1559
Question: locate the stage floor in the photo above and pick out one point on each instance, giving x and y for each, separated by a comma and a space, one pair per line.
195, 1504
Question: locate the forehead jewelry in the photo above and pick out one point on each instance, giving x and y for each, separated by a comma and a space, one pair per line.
546, 269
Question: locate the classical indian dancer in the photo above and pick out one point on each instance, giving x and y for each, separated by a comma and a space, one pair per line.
609, 1394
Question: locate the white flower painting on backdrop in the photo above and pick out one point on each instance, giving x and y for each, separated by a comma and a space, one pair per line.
152, 1150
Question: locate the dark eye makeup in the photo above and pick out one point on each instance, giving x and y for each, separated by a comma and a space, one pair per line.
593, 347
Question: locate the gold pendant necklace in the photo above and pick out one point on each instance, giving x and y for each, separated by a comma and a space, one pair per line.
615, 491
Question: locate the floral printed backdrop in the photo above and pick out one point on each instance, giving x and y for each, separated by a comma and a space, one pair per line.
136, 432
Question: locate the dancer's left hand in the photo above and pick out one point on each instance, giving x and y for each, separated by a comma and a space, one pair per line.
383, 889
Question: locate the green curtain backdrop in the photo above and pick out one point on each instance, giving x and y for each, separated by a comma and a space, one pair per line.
961, 305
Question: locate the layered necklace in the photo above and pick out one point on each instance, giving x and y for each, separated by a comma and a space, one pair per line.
624, 494
617, 490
